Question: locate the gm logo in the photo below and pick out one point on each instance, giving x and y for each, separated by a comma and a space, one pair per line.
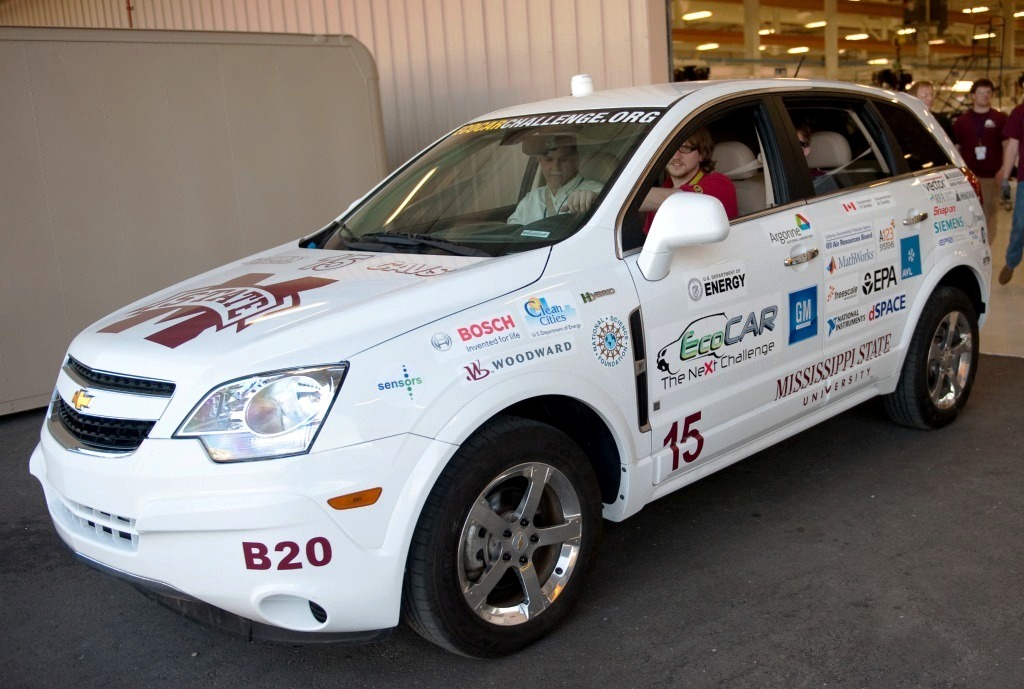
803, 314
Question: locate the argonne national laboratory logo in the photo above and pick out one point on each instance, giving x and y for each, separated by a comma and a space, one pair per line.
236, 302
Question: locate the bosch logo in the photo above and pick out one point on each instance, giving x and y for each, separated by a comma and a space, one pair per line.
441, 342
488, 327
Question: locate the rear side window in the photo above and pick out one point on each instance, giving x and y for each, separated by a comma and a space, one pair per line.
841, 146
918, 146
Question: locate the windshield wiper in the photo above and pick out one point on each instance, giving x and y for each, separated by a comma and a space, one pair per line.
403, 239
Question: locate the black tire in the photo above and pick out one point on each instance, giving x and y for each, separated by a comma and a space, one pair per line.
494, 566
941, 363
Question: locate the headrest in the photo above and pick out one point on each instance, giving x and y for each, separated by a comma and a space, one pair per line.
828, 150
598, 166
541, 144
735, 160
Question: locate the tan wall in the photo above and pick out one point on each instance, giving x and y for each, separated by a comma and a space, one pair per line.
441, 62
132, 160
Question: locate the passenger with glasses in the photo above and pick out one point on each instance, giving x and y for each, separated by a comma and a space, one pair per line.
691, 169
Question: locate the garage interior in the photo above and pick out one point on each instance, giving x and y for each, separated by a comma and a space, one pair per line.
890, 553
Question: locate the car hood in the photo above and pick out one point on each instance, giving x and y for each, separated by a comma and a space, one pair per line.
292, 307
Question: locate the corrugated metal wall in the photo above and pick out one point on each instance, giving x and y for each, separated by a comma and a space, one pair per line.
441, 62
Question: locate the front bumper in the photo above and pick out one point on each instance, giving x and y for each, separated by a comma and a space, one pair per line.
256, 540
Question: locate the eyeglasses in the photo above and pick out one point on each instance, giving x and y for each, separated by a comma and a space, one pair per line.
687, 148
805, 144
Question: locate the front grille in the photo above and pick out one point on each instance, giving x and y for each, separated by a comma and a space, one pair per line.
102, 527
119, 383
97, 432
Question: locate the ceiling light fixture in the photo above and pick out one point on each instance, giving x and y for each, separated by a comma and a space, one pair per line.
907, 31
707, 46
983, 36
691, 16
879, 61
765, 32
857, 37
937, 41
815, 25
798, 50
962, 86
975, 10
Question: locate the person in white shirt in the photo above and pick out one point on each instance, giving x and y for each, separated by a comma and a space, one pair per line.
564, 191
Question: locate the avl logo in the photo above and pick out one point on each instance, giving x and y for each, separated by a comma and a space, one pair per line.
910, 257
803, 314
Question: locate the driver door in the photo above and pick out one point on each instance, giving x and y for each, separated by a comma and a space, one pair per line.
731, 319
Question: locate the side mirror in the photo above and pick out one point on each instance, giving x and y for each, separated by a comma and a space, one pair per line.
684, 219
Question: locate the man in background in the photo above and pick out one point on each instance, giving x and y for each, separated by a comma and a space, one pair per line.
979, 136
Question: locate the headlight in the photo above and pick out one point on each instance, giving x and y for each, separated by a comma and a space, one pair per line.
270, 415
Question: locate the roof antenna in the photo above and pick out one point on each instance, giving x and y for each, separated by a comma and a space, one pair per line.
582, 85
798, 66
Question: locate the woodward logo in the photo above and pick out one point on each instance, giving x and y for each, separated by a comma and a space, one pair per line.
237, 302
526, 356
475, 371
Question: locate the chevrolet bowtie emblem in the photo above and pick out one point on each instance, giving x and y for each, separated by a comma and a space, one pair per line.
81, 399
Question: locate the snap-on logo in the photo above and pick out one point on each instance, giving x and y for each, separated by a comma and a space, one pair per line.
237, 302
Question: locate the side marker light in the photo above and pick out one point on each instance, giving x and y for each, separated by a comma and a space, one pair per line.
363, 498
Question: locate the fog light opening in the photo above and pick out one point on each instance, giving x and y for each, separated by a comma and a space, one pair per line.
319, 614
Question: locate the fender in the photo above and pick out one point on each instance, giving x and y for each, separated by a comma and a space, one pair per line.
931, 281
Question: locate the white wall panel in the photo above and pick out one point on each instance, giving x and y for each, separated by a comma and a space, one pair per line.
441, 62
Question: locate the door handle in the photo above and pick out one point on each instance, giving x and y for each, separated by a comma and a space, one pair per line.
914, 219
801, 258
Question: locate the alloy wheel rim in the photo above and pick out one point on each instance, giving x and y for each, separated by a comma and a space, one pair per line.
949, 360
519, 544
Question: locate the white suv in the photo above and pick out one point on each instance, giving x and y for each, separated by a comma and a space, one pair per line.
424, 410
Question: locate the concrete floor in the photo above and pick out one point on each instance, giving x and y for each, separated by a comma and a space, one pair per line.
1003, 332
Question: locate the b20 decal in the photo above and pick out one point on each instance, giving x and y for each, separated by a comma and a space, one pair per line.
257, 555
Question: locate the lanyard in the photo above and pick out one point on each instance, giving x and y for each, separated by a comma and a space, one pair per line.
693, 182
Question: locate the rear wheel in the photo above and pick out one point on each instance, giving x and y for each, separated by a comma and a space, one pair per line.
504, 541
941, 363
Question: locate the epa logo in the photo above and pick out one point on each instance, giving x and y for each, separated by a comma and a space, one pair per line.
803, 314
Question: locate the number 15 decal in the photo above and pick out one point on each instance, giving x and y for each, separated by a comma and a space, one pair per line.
674, 439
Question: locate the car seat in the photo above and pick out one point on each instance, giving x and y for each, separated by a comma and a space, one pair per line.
736, 161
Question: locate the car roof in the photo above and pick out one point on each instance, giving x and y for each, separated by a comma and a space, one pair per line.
665, 95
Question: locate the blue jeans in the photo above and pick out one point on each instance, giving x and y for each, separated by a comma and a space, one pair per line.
1015, 248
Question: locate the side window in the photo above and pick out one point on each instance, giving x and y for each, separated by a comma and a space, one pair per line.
719, 154
840, 146
917, 144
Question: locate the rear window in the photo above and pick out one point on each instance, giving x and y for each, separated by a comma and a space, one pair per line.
918, 145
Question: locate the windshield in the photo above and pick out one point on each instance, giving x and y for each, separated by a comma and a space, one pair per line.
498, 187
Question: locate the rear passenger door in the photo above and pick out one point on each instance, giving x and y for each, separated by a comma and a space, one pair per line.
870, 218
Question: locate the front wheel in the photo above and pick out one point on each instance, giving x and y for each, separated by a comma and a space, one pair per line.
941, 363
504, 540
